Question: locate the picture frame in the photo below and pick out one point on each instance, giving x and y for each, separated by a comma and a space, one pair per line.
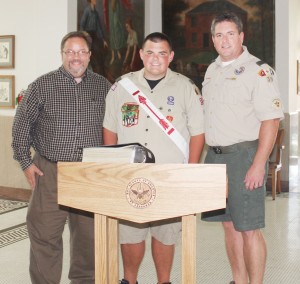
7, 91
298, 77
7, 51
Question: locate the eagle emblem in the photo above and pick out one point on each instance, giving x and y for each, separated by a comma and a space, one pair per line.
140, 192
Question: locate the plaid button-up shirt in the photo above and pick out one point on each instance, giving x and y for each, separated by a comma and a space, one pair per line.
59, 117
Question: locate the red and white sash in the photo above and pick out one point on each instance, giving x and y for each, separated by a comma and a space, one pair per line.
165, 125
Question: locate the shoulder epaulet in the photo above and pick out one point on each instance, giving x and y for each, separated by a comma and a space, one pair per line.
118, 79
260, 62
191, 81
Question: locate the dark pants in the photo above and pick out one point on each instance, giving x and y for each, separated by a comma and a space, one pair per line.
46, 222
245, 208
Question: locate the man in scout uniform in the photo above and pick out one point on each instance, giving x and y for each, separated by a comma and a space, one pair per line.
166, 116
242, 113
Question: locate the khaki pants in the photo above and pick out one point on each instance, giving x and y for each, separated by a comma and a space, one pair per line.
46, 222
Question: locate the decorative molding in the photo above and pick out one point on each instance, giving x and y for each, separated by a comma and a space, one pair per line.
11, 193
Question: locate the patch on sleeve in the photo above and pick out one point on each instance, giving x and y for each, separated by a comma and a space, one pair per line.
267, 72
113, 87
276, 103
198, 93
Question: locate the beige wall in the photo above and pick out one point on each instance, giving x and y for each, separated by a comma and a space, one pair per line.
11, 174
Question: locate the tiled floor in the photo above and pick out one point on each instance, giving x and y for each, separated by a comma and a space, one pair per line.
282, 234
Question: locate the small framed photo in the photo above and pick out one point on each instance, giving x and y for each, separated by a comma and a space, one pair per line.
7, 51
7, 91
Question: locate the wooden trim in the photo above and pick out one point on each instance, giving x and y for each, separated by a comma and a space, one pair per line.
11, 193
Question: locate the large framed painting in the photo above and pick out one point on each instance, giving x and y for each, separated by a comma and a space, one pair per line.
188, 22
117, 30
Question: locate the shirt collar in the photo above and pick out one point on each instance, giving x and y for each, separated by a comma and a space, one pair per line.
238, 60
68, 74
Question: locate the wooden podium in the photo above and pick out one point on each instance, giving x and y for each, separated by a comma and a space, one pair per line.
141, 193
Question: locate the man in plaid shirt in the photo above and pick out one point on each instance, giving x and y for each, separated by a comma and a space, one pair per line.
61, 113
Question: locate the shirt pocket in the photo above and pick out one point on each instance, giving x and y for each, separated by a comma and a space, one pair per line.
231, 92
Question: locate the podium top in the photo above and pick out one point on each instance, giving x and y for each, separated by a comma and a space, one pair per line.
142, 192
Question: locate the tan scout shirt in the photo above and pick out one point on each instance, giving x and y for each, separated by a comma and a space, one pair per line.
237, 98
177, 98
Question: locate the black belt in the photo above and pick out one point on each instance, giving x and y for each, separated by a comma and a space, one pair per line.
234, 147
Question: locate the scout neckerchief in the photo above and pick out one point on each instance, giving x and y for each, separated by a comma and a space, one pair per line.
156, 116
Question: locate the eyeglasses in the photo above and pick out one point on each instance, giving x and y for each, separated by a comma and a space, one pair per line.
72, 53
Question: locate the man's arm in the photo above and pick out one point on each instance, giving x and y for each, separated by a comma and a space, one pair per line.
196, 147
109, 137
267, 136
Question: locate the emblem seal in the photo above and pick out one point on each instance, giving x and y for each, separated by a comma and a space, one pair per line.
140, 193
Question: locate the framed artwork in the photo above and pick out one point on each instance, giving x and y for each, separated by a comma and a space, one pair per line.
7, 91
7, 51
188, 23
117, 30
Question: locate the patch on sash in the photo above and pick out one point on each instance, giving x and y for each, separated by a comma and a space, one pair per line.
130, 114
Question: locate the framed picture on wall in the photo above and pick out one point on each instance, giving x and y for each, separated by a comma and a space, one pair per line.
117, 30
298, 77
188, 22
7, 91
7, 51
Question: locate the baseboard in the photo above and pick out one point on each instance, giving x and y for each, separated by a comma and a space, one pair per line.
11, 193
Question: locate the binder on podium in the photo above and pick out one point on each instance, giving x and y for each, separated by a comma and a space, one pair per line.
141, 192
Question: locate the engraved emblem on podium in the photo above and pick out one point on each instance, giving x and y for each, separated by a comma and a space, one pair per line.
140, 192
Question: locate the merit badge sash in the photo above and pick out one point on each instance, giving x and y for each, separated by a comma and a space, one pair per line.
156, 116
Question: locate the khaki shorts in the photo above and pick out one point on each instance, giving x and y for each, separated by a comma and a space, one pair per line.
165, 231
245, 208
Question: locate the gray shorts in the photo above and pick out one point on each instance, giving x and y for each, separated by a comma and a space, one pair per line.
166, 231
245, 208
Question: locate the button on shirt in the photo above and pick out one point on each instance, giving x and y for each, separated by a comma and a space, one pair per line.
60, 117
238, 97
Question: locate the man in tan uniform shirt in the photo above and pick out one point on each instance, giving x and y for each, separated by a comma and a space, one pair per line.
242, 112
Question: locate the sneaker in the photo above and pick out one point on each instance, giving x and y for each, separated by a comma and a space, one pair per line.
124, 281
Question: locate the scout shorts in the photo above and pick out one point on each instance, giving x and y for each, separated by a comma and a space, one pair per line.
165, 231
245, 208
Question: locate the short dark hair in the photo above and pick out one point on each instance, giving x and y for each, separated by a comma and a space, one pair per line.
158, 37
227, 17
82, 34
